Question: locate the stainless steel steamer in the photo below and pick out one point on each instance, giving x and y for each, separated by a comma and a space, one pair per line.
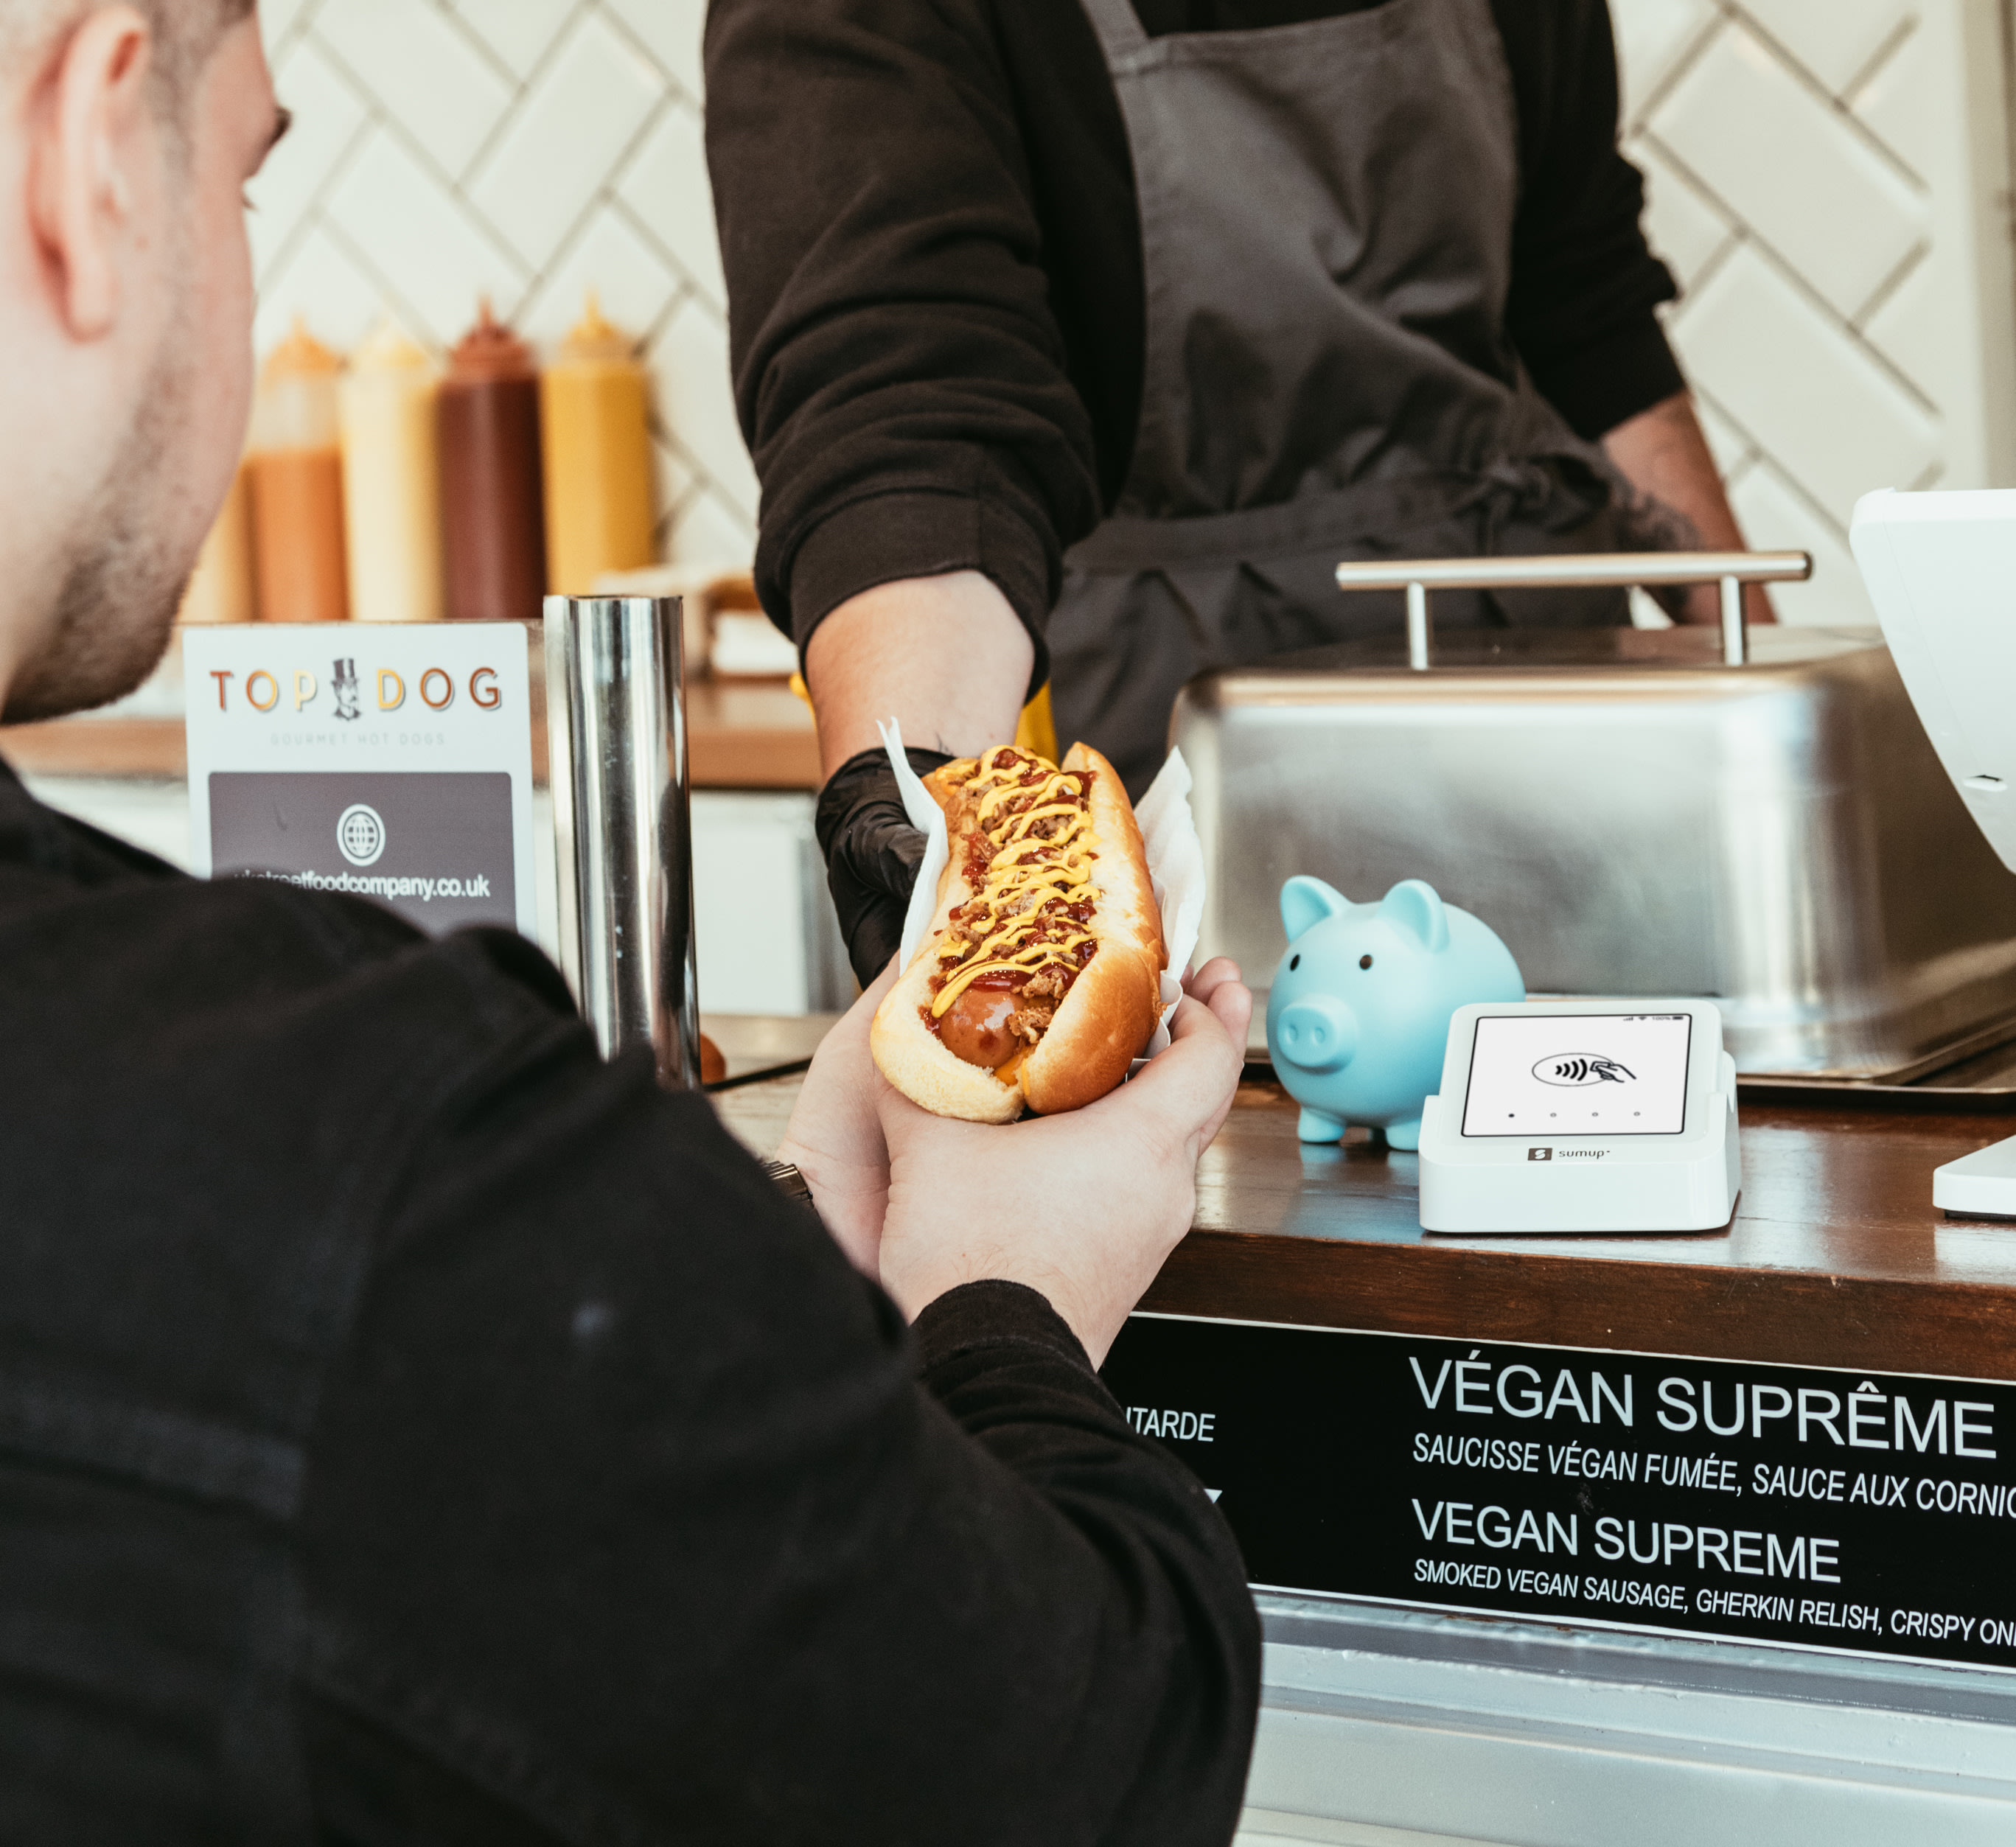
1637, 812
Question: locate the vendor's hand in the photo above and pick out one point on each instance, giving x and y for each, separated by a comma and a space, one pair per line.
871, 853
1082, 1206
835, 1136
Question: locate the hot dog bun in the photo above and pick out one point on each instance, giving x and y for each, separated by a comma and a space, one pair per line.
1109, 1010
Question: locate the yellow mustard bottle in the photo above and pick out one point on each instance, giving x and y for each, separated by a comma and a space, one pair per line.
391, 482
1036, 731
219, 588
296, 469
593, 399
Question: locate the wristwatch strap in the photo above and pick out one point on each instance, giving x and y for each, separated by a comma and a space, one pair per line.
790, 1183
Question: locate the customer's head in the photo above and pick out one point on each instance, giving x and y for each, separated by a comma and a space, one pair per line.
127, 134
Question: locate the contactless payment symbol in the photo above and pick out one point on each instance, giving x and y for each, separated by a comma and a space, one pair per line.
1573, 1070
360, 833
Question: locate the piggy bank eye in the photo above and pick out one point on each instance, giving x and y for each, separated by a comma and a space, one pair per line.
1294, 962
1365, 962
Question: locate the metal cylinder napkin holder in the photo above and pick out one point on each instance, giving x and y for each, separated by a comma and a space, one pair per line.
616, 743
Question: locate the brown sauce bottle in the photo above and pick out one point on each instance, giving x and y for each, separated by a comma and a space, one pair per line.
493, 518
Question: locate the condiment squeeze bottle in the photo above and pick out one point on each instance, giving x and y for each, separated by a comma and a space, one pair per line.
391, 482
296, 469
219, 588
493, 527
593, 400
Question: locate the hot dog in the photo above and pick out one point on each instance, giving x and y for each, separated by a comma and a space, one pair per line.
1038, 980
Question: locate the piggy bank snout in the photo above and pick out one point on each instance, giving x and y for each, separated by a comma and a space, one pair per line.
1316, 1034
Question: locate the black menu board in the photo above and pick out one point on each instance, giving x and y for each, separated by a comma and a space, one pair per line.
1870, 1512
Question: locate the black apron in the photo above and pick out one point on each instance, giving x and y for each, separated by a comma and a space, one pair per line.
1326, 214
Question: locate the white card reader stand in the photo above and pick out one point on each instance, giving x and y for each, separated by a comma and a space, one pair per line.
1982, 1185
1937, 567
1583, 1116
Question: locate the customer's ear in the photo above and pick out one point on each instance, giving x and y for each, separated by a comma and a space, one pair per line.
91, 131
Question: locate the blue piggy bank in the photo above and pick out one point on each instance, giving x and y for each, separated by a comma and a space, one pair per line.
1359, 1013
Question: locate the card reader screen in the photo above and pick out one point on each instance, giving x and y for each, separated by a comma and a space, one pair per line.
1578, 1075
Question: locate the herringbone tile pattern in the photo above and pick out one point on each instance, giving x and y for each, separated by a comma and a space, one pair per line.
1826, 178
526, 149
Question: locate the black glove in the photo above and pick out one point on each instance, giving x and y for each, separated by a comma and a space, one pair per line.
871, 853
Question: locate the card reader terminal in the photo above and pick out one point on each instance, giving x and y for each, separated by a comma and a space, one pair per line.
1580, 1116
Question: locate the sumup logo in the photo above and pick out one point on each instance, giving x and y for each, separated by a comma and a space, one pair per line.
1573, 1070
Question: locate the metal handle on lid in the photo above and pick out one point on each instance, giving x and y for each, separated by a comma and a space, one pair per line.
1576, 570
616, 736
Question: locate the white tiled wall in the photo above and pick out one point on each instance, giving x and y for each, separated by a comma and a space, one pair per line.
527, 149
1829, 180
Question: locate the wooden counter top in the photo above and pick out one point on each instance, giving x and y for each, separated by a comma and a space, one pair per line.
746, 734
740, 734
1837, 1256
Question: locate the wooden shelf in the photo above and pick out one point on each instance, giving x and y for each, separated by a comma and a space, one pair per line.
150, 748
740, 734
748, 734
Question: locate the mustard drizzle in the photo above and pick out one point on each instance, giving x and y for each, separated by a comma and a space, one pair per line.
1054, 868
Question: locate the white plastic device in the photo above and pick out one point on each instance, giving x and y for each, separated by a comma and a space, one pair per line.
1940, 570
1980, 1185
1583, 1116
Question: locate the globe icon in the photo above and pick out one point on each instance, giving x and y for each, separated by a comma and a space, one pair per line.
360, 833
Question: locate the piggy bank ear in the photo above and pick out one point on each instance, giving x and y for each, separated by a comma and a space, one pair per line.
1306, 901
1414, 906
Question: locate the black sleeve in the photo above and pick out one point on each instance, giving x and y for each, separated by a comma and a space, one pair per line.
630, 1516
1584, 285
898, 372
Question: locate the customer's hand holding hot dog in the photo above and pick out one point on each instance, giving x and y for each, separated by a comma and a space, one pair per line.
835, 1135
1082, 1207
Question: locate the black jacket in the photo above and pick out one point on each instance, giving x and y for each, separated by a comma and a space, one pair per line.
935, 298
412, 1429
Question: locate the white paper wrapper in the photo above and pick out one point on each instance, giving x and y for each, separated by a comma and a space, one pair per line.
1175, 863
1168, 830
925, 814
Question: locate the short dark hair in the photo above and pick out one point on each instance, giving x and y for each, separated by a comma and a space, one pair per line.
185, 34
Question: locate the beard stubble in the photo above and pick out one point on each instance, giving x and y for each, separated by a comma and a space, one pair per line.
125, 570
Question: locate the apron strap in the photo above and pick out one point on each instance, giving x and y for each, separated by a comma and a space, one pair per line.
1118, 26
